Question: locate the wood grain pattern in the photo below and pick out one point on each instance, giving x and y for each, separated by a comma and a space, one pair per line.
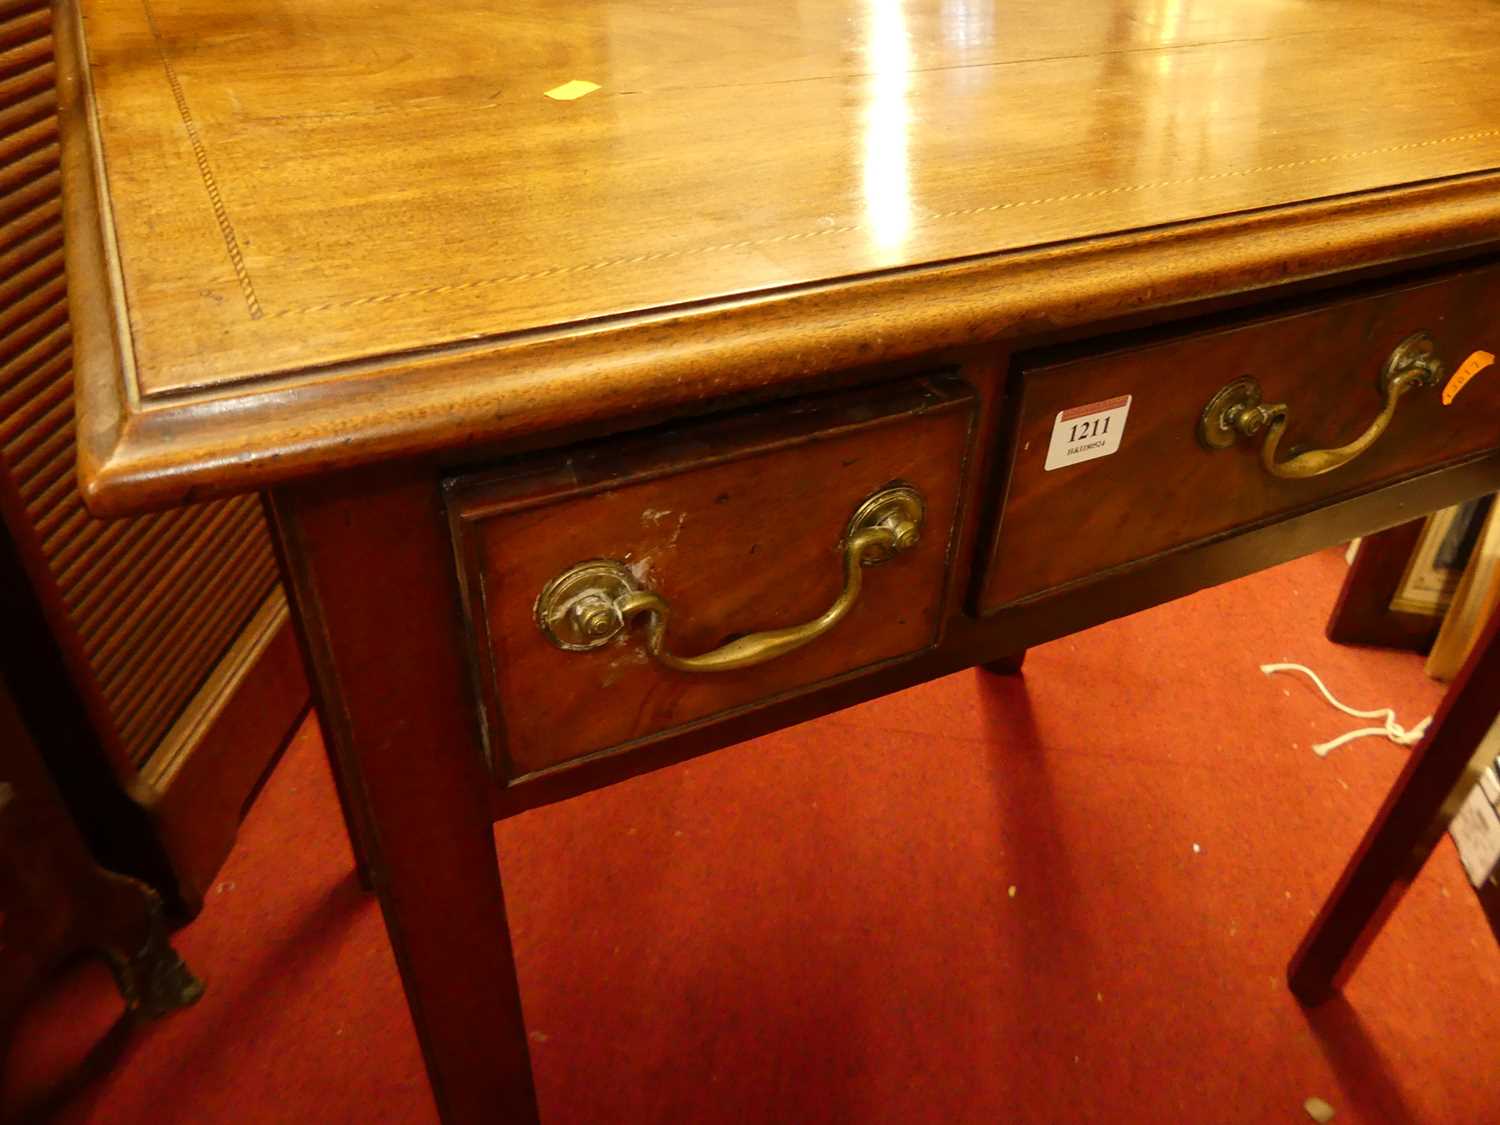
389, 112
378, 597
404, 727
159, 609
352, 251
144, 608
738, 524
432, 850
1162, 489
969, 640
458, 289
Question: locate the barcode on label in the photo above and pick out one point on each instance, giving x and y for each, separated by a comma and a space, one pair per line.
1086, 433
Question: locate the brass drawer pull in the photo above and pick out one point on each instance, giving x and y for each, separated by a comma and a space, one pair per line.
1237, 411
590, 604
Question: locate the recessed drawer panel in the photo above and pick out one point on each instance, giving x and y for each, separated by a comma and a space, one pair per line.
1122, 455
628, 588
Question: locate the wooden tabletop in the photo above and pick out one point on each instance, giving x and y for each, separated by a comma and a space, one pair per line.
334, 230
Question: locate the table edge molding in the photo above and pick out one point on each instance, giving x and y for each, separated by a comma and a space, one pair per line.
145, 452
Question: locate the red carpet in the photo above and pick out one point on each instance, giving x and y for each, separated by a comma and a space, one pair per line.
816, 927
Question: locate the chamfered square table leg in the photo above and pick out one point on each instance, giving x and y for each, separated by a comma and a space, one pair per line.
386, 653
355, 828
1414, 817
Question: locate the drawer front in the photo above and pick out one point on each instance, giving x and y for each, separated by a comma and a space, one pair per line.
738, 526
1166, 485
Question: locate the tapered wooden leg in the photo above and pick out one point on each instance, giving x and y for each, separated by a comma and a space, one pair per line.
353, 813
375, 590
1006, 665
354, 827
1413, 819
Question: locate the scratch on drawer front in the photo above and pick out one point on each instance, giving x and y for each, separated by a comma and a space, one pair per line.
655, 517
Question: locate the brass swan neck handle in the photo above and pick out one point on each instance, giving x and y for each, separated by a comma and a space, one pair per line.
592, 603
1238, 412
755, 648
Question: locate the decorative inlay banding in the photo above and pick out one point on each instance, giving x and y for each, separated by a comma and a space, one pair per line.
205, 170
256, 311
854, 228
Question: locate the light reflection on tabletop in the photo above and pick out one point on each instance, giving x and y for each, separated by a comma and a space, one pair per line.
732, 147
887, 177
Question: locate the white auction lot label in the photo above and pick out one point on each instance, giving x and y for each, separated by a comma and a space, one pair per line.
1085, 433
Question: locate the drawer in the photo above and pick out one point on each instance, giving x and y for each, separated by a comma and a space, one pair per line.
740, 526
1138, 470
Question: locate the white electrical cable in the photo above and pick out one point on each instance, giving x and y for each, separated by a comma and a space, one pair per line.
1391, 728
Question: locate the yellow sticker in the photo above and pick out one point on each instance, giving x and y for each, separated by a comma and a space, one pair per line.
1470, 367
572, 91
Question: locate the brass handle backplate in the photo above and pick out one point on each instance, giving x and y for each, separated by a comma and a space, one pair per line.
590, 604
1238, 411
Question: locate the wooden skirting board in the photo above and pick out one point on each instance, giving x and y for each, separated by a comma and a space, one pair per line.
210, 764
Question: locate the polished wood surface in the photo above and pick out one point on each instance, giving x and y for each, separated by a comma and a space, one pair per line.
152, 601
171, 817
335, 231
387, 655
146, 610
738, 524
1163, 489
354, 253
970, 641
389, 652
199, 782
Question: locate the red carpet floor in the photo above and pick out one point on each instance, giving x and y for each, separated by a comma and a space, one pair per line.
820, 926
